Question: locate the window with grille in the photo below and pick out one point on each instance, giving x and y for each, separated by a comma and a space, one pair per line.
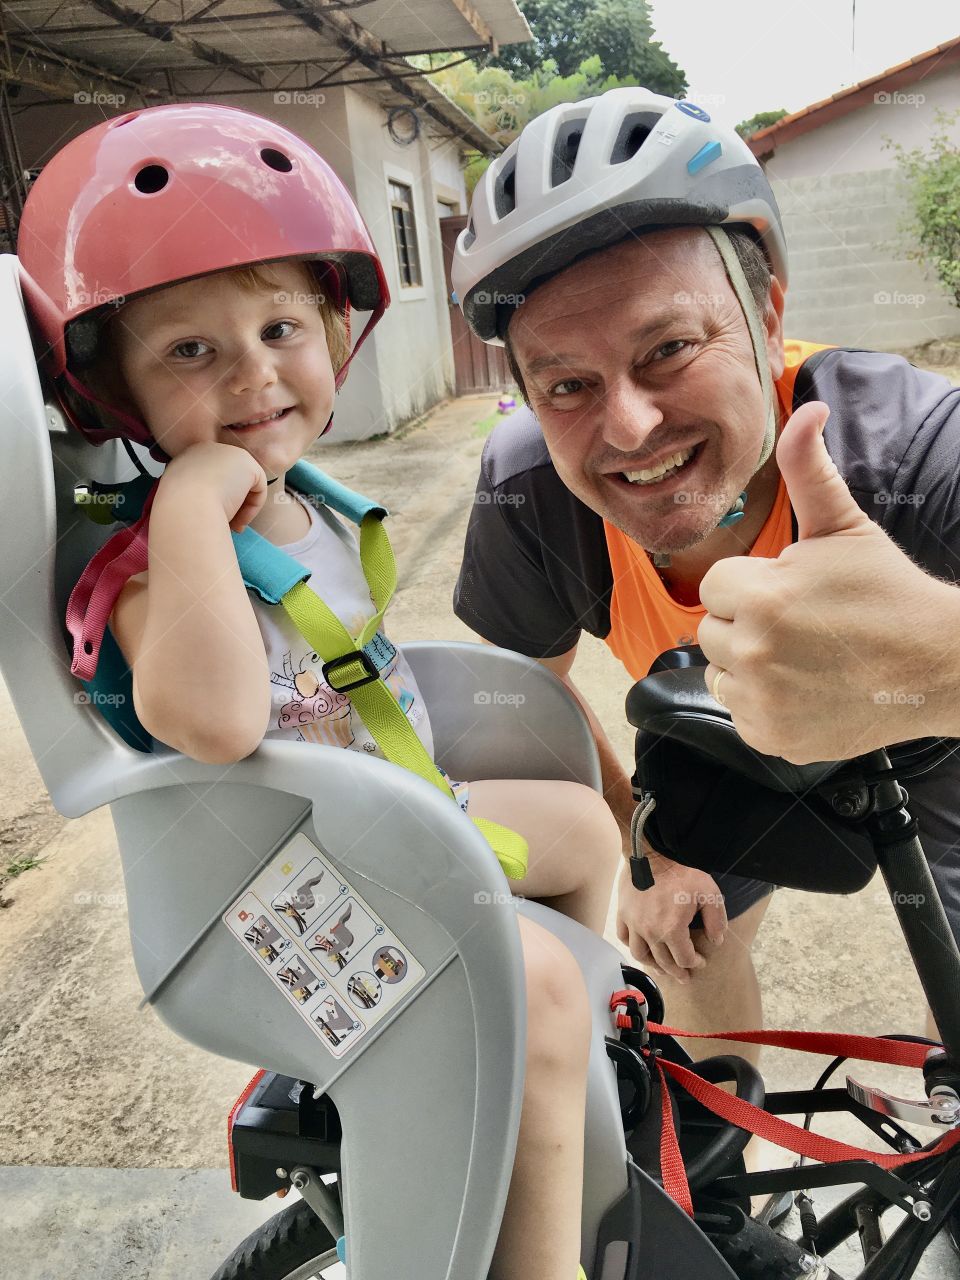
405, 235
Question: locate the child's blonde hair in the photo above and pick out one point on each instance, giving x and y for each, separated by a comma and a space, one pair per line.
101, 375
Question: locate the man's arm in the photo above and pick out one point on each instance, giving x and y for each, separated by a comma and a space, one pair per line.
654, 924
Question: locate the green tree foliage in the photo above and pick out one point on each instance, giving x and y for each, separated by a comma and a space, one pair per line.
933, 177
502, 105
761, 120
620, 32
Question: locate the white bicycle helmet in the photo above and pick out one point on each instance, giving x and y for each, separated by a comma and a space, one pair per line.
586, 174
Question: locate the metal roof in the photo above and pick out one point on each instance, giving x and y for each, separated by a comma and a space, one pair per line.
765, 141
199, 48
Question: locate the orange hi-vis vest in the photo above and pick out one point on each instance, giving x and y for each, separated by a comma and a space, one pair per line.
645, 619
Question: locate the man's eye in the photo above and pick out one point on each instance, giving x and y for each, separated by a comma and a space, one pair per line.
271, 332
671, 348
191, 349
564, 388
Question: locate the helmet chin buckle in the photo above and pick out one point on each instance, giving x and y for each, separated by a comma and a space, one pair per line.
661, 559
735, 513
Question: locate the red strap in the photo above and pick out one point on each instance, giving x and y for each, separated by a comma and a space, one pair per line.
133, 428
671, 1161
791, 1136
901, 1053
756, 1121
374, 317
92, 599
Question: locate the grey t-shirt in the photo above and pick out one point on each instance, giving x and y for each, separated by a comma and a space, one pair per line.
536, 572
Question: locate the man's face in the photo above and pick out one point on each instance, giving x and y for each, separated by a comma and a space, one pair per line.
640, 356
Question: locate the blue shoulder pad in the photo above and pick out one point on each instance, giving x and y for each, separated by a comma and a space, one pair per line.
266, 569
308, 479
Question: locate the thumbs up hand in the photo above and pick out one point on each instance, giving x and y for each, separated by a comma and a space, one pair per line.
838, 646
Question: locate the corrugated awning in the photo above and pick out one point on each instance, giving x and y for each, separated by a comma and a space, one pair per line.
199, 48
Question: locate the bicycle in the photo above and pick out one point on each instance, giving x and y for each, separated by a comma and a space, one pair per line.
675, 716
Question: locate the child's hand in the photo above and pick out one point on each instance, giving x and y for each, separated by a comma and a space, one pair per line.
227, 471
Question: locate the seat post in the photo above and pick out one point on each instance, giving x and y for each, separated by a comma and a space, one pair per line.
916, 901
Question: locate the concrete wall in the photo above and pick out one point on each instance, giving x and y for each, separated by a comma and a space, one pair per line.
406, 364
845, 207
850, 281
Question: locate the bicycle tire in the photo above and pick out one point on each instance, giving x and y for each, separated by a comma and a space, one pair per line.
757, 1253
282, 1249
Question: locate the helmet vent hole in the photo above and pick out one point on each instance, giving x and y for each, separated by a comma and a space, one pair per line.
635, 140
634, 131
566, 148
151, 179
504, 194
276, 160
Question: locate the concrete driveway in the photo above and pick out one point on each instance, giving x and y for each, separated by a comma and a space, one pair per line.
112, 1131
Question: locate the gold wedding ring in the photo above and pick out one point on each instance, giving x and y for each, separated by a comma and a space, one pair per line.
716, 688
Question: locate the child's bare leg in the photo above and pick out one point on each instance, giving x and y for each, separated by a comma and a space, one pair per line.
574, 839
540, 1232
574, 855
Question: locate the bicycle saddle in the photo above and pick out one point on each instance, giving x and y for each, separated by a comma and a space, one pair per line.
725, 808
673, 701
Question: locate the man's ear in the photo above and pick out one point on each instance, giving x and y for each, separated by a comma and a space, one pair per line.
773, 327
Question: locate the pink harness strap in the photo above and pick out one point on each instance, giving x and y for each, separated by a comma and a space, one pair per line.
92, 599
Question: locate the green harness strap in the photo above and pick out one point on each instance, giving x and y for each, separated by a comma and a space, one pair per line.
347, 669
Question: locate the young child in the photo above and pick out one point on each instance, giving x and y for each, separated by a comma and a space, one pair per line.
216, 332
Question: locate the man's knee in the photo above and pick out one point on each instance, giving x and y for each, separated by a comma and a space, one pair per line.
727, 963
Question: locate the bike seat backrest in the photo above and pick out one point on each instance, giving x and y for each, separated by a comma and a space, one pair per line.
47, 543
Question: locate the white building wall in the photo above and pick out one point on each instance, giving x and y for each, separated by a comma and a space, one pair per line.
851, 283
412, 345
845, 207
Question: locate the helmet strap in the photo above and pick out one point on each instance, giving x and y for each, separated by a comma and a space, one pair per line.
744, 296
133, 427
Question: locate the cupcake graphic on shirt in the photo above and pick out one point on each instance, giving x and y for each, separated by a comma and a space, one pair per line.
317, 712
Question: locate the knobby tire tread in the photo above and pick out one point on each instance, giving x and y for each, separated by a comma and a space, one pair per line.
287, 1241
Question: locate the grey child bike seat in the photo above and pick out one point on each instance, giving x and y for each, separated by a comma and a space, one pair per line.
209, 852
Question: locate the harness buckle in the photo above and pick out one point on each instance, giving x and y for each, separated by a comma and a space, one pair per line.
358, 655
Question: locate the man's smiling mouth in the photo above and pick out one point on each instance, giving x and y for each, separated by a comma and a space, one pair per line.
669, 466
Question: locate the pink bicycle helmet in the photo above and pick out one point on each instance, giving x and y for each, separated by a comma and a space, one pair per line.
167, 194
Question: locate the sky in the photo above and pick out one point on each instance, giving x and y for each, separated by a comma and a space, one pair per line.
744, 56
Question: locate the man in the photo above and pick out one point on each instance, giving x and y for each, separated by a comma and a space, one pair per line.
630, 255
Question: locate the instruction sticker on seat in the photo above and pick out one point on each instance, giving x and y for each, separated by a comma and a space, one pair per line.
323, 946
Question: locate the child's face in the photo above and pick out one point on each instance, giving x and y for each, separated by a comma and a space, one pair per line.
200, 359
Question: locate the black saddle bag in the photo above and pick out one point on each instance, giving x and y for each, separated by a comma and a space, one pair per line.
723, 807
